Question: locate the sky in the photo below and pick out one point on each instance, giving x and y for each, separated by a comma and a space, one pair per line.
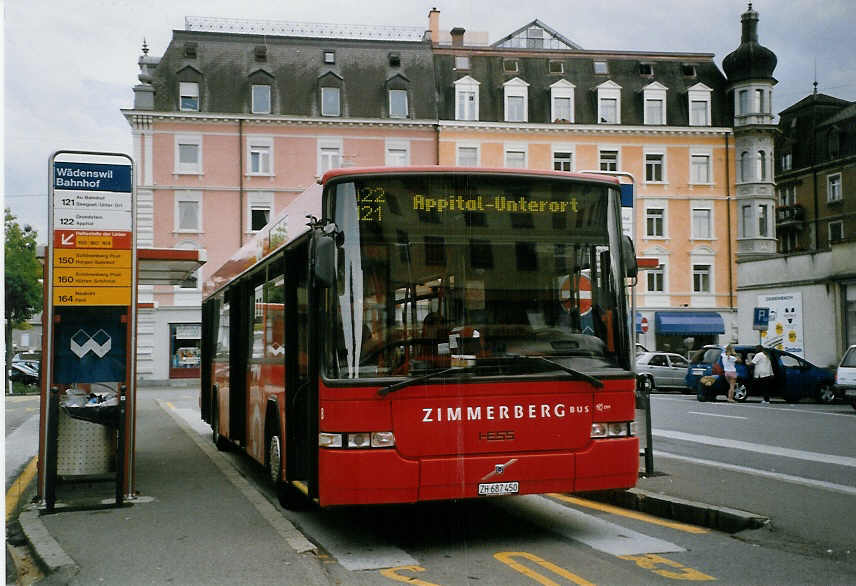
70, 67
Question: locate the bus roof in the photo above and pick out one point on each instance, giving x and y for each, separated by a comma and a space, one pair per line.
292, 222
438, 169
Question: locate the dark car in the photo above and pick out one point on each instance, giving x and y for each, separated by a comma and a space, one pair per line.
22, 373
657, 370
795, 377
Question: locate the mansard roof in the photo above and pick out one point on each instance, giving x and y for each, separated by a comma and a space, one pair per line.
226, 61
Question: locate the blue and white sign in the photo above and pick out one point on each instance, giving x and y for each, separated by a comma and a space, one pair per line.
761, 318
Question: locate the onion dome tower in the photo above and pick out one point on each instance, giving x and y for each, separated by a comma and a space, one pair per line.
749, 70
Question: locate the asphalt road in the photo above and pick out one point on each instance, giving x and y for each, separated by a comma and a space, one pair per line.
793, 463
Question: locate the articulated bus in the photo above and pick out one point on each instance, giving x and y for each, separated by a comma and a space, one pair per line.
421, 333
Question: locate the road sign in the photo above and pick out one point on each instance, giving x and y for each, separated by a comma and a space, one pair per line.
643, 325
114, 239
93, 258
761, 318
84, 295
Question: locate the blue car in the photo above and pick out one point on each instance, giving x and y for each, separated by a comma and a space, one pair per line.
795, 377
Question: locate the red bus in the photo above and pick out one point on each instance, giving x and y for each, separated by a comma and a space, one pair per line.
409, 334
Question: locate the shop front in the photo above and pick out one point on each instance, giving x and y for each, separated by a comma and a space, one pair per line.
683, 331
184, 350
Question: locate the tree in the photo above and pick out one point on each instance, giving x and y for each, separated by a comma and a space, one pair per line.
22, 278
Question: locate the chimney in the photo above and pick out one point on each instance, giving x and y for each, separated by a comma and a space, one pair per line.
457, 36
434, 25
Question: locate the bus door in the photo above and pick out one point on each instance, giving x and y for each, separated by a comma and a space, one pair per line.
301, 395
209, 343
240, 301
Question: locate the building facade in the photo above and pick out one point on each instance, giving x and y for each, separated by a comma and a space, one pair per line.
537, 100
814, 270
229, 126
237, 117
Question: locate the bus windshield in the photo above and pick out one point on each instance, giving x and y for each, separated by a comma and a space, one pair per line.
444, 270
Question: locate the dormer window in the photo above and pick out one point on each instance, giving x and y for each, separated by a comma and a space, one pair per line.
462, 62
688, 69
329, 57
562, 101
535, 37
398, 104
466, 99
556, 67
646, 69
654, 95
699, 104
600, 68
609, 103
330, 105
188, 96
516, 100
261, 99
509, 65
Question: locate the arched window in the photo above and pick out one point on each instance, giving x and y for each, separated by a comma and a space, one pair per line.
744, 166
761, 172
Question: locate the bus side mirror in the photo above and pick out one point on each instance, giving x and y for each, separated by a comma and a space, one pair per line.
325, 260
628, 255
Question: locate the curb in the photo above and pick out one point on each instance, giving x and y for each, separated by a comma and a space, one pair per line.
59, 567
712, 516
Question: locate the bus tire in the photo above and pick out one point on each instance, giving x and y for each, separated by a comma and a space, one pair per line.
219, 441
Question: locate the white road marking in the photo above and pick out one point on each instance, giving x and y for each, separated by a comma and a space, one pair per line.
756, 448
850, 490
588, 529
715, 415
807, 411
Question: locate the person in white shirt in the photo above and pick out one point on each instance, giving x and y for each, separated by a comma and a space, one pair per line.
729, 365
762, 374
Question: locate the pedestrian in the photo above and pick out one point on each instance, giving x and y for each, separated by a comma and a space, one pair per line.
729, 366
762, 374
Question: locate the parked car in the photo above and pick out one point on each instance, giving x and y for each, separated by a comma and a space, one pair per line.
662, 370
19, 372
795, 377
845, 376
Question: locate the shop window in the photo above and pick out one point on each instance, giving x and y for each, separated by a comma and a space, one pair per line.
184, 350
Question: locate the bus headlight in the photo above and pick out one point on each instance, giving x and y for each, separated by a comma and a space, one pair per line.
613, 429
329, 440
357, 440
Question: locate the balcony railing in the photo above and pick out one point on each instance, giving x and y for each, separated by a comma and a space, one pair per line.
793, 214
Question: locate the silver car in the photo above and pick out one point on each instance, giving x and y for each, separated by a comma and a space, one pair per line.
662, 370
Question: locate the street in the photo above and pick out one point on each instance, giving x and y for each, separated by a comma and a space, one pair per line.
788, 462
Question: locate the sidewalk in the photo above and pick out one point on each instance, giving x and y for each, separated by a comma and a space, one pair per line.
190, 525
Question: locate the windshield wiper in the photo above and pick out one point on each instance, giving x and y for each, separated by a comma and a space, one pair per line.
383, 392
494, 361
578, 374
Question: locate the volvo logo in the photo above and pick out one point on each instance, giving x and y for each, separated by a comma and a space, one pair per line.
498, 470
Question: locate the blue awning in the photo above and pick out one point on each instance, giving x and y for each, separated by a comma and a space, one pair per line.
688, 322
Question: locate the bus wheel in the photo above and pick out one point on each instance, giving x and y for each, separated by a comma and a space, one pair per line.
219, 441
275, 460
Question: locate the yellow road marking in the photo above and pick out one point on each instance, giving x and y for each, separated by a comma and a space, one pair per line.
630, 514
651, 561
392, 574
506, 558
15, 491
170, 405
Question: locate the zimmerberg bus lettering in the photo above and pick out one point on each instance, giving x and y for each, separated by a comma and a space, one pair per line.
491, 412
498, 203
